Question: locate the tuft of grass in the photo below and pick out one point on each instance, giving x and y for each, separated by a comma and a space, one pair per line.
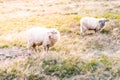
68, 67
63, 69
4, 46
91, 66
105, 31
95, 45
35, 77
112, 15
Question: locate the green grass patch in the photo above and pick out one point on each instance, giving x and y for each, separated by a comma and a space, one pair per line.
105, 31
68, 67
112, 15
4, 46
64, 69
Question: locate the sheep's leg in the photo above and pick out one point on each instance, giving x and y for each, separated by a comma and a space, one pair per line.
34, 48
29, 47
83, 30
46, 48
97, 31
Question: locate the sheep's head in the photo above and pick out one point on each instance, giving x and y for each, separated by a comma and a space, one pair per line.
102, 22
54, 34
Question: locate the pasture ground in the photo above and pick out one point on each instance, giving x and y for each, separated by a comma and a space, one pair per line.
93, 57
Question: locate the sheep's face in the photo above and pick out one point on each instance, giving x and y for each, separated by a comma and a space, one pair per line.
102, 22
54, 35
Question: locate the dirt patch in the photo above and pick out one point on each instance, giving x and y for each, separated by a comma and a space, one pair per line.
10, 54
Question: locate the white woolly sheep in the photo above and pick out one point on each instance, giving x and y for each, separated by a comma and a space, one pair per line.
90, 23
46, 37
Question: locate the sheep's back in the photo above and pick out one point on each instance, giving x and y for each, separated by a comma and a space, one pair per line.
37, 34
89, 22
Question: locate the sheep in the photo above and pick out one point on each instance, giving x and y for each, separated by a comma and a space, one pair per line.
46, 37
90, 23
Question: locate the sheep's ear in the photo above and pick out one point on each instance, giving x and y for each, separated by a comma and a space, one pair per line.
49, 35
100, 21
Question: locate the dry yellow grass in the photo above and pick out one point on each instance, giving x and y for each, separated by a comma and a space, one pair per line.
92, 57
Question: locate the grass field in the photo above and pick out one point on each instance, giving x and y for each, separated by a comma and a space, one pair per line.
93, 57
